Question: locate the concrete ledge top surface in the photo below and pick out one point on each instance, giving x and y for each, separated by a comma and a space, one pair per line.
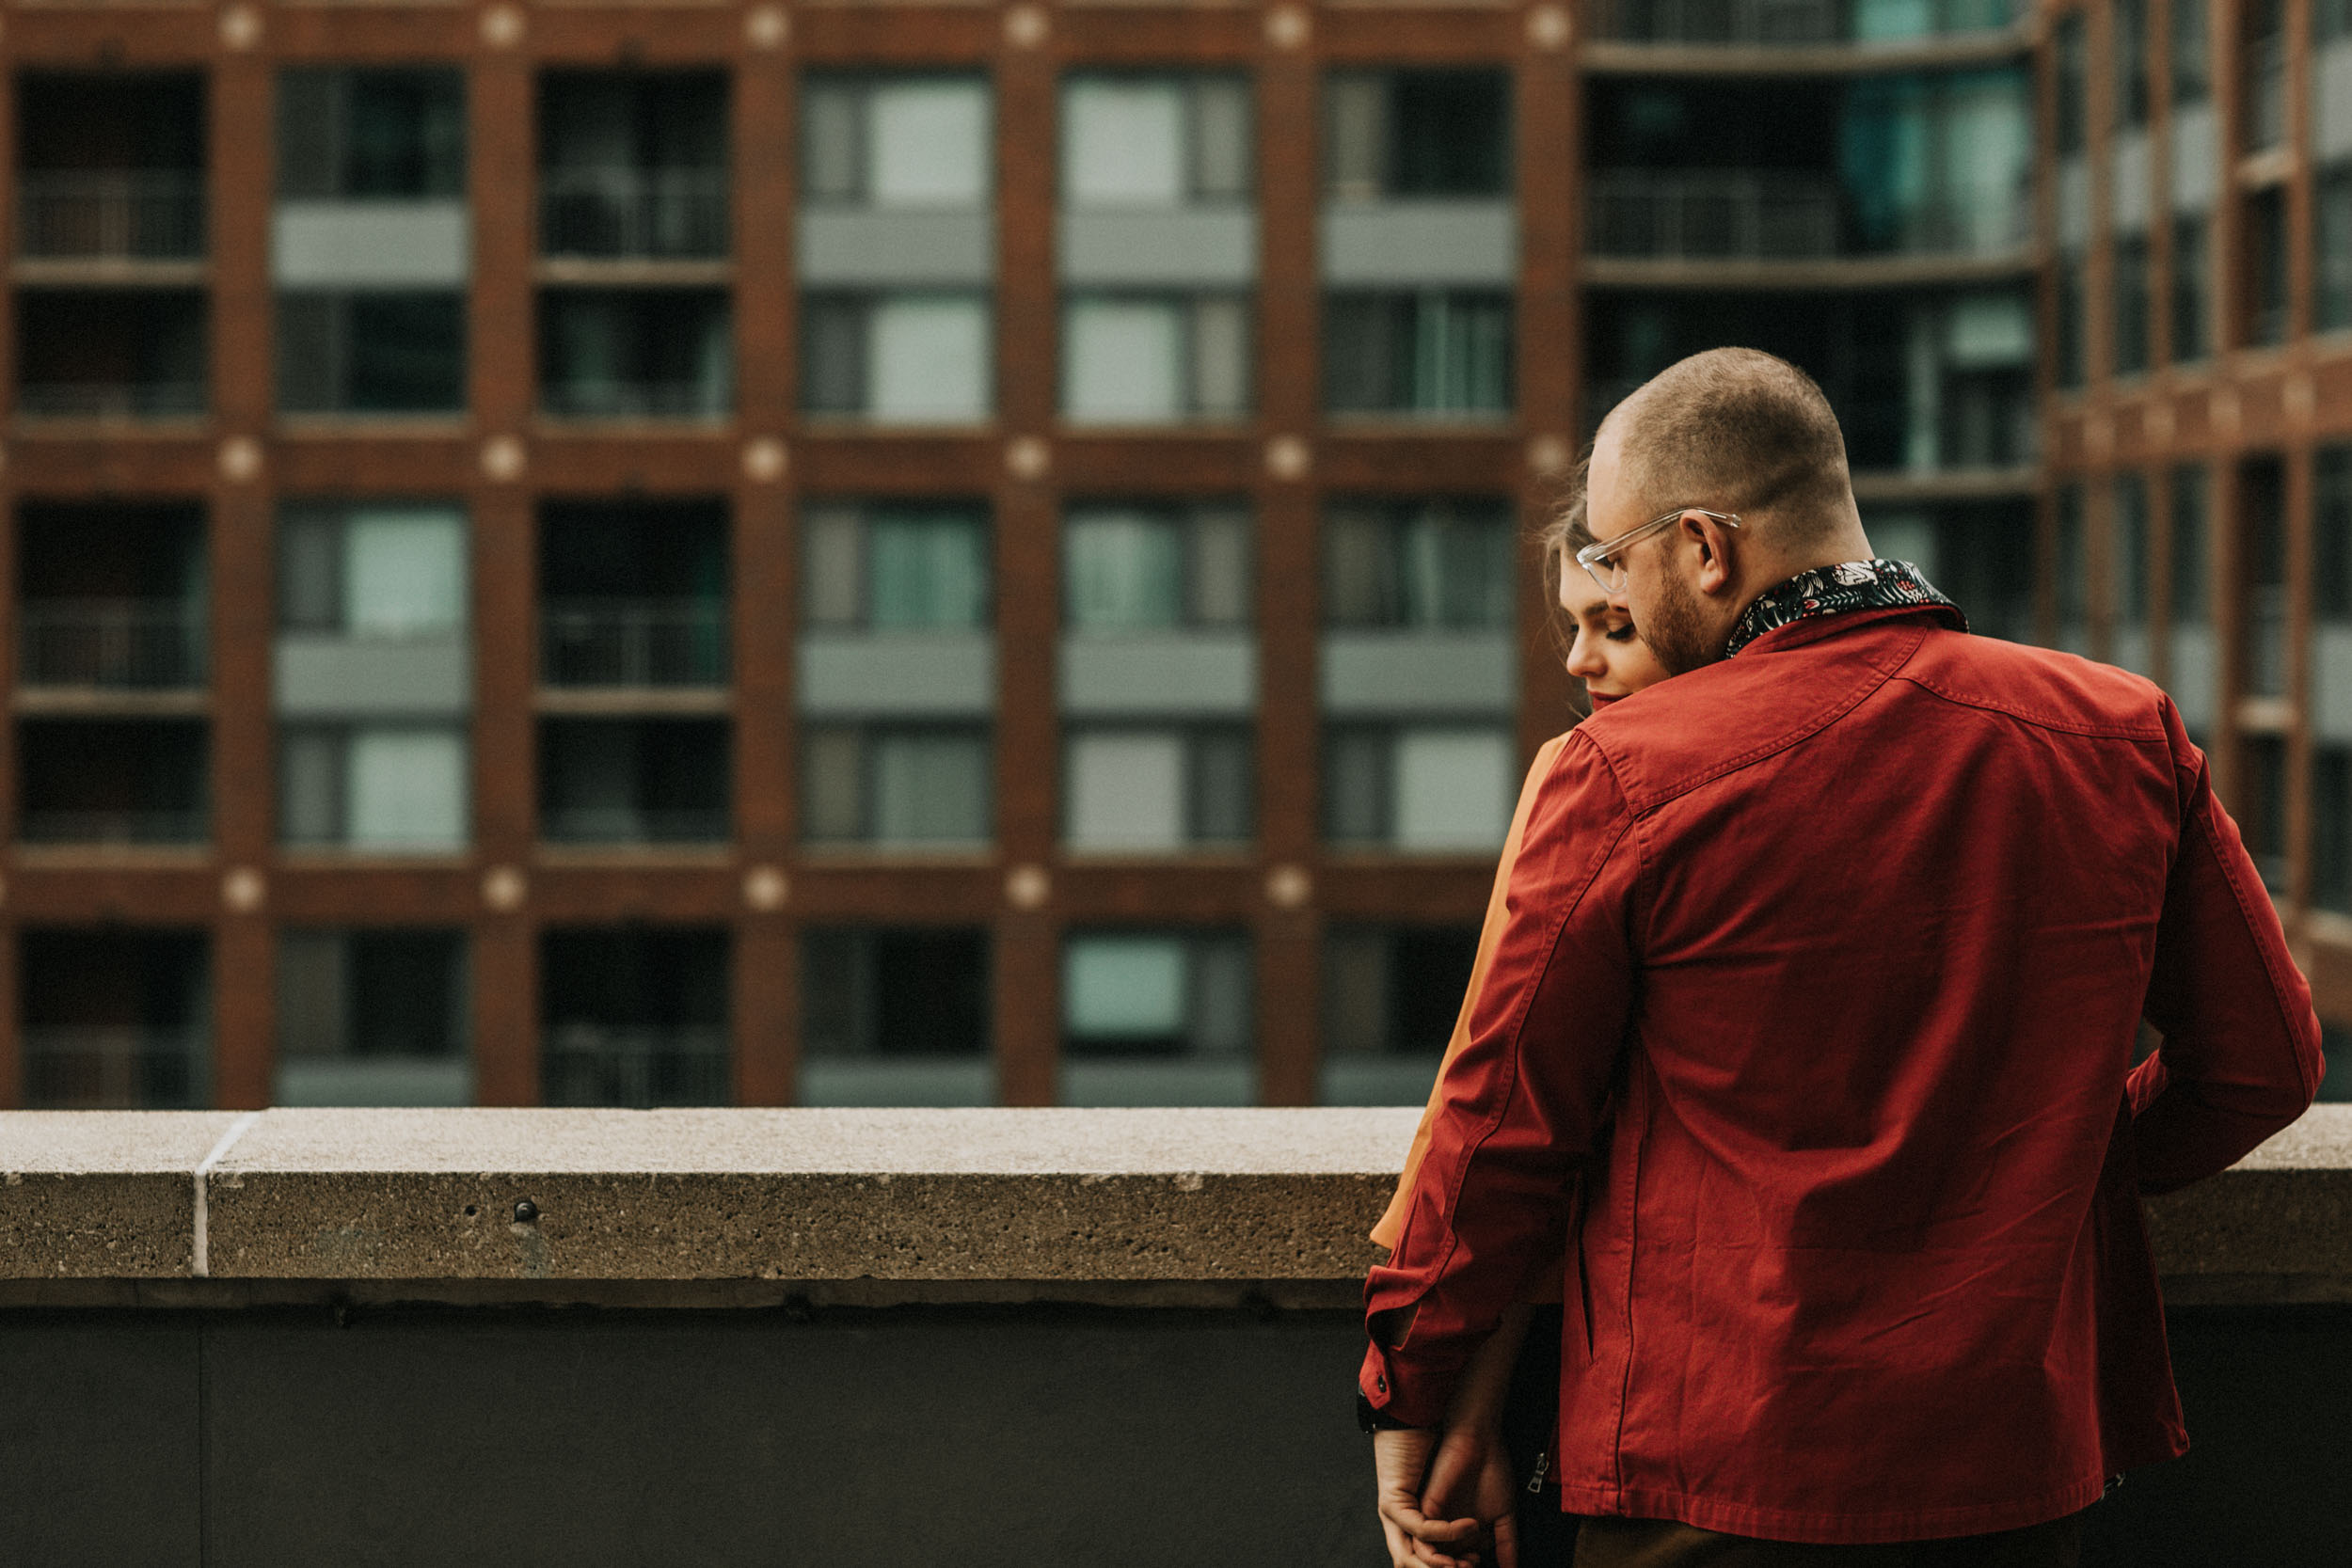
945, 1199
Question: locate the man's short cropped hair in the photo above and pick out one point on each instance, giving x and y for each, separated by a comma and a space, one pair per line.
1736, 430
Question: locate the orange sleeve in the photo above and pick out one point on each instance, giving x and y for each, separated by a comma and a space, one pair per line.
1393, 1223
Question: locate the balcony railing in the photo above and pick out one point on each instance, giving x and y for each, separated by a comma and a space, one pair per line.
114, 825
633, 642
633, 212
588, 1064
634, 824
110, 1067
636, 400
112, 400
144, 214
116, 645
1730, 216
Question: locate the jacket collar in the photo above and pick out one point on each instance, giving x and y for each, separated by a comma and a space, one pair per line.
1842, 589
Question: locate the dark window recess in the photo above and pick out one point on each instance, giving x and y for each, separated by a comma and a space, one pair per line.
116, 1019
2331, 253
2192, 53
634, 1016
2070, 570
633, 781
2132, 304
2266, 268
1394, 990
371, 993
111, 353
111, 165
361, 134
633, 163
633, 594
2129, 43
2262, 556
2128, 519
111, 596
371, 353
2072, 86
1985, 559
1412, 134
2262, 61
636, 353
894, 991
2332, 829
2192, 551
2192, 287
2331, 534
1429, 353
2261, 808
2074, 323
113, 781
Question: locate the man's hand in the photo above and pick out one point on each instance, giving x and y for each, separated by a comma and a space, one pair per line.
1401, 1469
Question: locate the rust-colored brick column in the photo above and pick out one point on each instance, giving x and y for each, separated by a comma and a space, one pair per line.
1550, 339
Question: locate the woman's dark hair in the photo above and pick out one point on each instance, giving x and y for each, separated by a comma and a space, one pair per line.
1557, 543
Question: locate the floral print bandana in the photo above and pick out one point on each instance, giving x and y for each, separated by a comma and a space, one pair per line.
1850, 585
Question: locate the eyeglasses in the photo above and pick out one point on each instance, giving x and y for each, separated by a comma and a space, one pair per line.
1604, 558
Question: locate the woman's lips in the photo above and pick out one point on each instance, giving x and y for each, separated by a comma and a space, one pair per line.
1602, 699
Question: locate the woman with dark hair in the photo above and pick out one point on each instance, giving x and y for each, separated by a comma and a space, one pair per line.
1512, 1386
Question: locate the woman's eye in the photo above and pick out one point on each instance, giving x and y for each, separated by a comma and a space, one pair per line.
1619, 634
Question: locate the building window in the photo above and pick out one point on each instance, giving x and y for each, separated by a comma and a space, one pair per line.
112, 354
906, 785
634, 354
1154, 141
2266, 268
635, 780
634, 1017
2195, 674
2264, 62
1150, 358
911, 142
1155, 568
394, 787
1426, 788
2130, 45
2070, 572
898, 357
371, 134
2330, 671
371, 352
2331, 239
633, 163
111, 597
2262, 555
1390, 997
115, 1020
912, 568
113, 781
111, 165
633, 595
2068, 133
1404, 134
2261, 809
1153, 789
1431, 352
2192, 54
1981, 554
2192, 286
2132, 304
1418, 567
2129, 563
372, 1017
1157, 1018
895, 1015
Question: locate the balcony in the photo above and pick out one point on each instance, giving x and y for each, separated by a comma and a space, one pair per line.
110, 215
111, 644
633, 212
948, 1323
1806, 27
633, 644
1727, 215
111, 353
112, 782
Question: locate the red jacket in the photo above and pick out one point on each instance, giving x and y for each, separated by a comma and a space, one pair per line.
1853, 933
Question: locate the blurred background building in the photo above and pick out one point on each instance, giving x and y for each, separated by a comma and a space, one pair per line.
700, 553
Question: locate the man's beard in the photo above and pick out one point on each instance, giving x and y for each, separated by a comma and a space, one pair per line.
1674, 629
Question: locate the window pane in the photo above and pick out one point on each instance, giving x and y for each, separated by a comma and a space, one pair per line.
1452, 789
1123, 361
310, 1008
1449, 131
1124, 143
829, 114
407, 789
1220, 569
1224, 786
927, 360
403, 572
1356, 136
1360, 570
830, 584
926, 573
832, 355
931, 788
310, 787
930, 144
1355, 786
2192, 286
1220, 138
1125, 986
1221, 996
309, 571
1126, 791
832, 785
2331, 234
1125, 571
406, 353
1221, 357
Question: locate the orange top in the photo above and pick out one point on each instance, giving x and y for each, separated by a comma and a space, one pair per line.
1393, 1223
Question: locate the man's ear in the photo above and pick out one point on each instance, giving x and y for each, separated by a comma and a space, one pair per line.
1715, 545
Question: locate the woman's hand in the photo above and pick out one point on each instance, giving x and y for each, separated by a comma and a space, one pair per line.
1402, 1466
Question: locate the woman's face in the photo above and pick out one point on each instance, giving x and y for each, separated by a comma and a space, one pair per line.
1607, 654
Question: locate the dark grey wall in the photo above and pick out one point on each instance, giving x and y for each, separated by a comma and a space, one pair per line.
901, 1439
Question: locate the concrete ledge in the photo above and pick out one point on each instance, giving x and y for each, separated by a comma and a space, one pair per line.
752, 1207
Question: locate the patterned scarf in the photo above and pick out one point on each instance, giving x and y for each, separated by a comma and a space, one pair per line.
1848, 586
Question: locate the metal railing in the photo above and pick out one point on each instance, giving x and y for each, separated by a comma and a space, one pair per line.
115, 825
1733, 214
110, 1067
147, 214
112, 400
633, 212
637, 1069
633, 642
635, 825
635, 400
117, 644
1782, 21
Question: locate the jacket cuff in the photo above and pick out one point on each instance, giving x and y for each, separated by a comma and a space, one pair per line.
1394, 1401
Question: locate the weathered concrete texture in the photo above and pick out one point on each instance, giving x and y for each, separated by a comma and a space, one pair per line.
100, 1194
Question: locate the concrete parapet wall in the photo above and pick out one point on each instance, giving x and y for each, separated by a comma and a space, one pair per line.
1153, 1206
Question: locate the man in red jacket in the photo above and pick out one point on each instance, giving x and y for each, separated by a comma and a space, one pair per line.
1832, 952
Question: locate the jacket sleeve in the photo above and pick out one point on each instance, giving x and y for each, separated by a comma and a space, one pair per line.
1521, 1102
2241, 1057
1489, 934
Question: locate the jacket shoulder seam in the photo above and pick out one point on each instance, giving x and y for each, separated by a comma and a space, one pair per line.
2064, 723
